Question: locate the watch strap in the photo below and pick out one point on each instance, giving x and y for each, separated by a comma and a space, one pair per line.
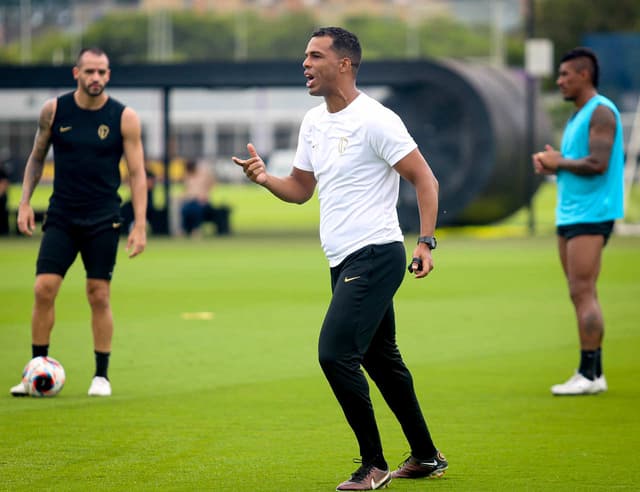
430, 241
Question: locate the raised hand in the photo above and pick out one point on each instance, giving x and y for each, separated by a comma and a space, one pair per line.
253, 167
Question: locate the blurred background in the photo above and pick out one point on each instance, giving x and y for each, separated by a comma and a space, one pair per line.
474, 80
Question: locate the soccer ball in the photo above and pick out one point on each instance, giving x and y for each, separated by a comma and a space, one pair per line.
43, 376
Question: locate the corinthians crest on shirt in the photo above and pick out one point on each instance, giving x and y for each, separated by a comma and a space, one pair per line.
103, 132
343, 143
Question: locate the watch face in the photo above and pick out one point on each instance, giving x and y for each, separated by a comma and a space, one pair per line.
429, 241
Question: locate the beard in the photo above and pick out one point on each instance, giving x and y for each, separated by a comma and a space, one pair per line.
93, 90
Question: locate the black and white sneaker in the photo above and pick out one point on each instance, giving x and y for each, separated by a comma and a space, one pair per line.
367, 477
415, 468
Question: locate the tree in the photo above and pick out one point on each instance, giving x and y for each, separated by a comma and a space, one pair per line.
381, 37
122, 35
565, 22
202, 38
284, 37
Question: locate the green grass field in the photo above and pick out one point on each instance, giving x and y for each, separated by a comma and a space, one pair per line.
236, 401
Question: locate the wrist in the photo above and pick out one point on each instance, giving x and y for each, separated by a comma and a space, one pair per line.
429, 241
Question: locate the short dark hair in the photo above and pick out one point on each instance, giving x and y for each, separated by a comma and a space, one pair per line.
588, 59
345, 43
190, 165
94, 50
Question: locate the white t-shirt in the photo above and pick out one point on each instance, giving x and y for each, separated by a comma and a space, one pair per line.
351, 154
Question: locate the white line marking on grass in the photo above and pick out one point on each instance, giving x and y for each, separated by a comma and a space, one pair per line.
202, 315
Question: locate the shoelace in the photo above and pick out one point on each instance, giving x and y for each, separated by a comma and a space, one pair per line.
408, 457
361, 472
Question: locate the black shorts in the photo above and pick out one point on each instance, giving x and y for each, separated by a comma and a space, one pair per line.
587, 229
63, 240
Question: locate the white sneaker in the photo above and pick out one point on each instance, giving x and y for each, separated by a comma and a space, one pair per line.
100, 387
601, 384
19, 390
576, 385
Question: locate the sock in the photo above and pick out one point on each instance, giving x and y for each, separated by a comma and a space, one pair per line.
599, 362
102, 363
39, 350
425, 456
380, 462
588, 364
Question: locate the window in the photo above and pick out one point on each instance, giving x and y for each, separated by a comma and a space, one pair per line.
285, 137
232, 140
189, 141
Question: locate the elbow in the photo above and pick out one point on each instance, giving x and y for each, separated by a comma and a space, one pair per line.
600, 169
304, 193
301, 200
593, 170
436, 184
596, 166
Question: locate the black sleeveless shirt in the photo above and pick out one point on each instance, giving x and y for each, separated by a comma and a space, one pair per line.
87, 148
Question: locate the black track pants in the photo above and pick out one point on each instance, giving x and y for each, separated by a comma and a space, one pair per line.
359, 331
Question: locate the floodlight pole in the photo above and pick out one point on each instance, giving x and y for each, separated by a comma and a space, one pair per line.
25, 31
531, 119
166, 110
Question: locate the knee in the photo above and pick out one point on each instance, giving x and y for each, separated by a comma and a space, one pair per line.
98, 297
333, 363
581, 290
331, 360
326, 359
45, 292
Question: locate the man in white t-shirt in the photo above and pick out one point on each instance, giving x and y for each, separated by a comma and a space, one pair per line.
355, 150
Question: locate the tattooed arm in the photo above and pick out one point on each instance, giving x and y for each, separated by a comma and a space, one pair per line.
602, 132
34, 167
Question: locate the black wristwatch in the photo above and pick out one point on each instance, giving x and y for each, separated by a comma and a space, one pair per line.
430, 241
